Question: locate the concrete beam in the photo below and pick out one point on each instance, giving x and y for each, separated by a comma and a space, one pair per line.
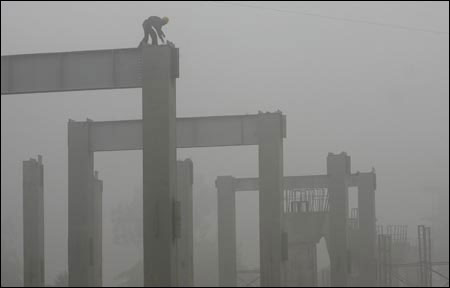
191, 132
289, 182
33, 223
71, 71
298, 182
356, 178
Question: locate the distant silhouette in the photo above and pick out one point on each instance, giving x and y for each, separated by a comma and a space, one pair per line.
150, 25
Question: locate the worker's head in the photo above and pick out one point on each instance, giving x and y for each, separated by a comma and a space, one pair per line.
165, 20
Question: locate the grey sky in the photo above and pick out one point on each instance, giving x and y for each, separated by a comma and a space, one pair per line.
378, 93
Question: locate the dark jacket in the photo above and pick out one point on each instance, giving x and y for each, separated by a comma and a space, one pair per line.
155, 22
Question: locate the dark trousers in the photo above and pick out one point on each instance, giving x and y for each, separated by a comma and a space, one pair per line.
152, 35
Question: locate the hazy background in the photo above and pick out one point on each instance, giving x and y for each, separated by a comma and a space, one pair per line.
379, 93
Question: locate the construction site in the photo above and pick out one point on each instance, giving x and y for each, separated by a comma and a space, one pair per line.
328, 211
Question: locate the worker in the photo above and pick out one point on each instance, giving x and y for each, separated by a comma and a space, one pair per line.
152, 24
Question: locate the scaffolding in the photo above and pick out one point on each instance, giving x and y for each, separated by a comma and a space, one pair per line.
399, 233
306, 200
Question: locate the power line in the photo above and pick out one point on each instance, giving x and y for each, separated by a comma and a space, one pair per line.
395, 26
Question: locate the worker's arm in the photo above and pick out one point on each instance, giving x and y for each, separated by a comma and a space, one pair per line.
160, 33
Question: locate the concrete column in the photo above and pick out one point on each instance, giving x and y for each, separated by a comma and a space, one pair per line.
96, 247
159, 64
33, 223
305, 231
226, 216
94, 207
270, 198
302, 265
367, 228
185, 239
80, 192
338, 169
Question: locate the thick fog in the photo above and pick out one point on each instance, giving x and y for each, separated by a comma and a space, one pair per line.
378, 92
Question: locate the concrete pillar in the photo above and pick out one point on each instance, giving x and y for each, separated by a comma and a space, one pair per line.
159, 70
305, 231
33, 223
80, 192
338, 169
95, 237
184, 223
302, 265
270, 198
367, 228
226, 216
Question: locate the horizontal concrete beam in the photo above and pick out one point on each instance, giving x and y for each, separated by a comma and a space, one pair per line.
290, 182
357, 178
191, 132
71, 71
298, 182
310, 181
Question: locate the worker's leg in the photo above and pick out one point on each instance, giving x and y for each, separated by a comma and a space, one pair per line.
154, 37
145, 28
144, 40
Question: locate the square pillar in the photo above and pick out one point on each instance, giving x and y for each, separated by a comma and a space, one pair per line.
33, 223
338, 169
226, 216
366, 184
81, 161
159, 73
270, 197
184, 223
95, 237
305, 229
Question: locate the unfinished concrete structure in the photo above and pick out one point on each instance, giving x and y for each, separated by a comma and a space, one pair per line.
308, 211
209, 131
33, 223
155, 69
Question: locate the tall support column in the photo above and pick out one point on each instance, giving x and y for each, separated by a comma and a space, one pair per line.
338, 169
367, 228
226, 214
184, 223
159, 70
33, 223
270, 198
81, 161
95, 244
